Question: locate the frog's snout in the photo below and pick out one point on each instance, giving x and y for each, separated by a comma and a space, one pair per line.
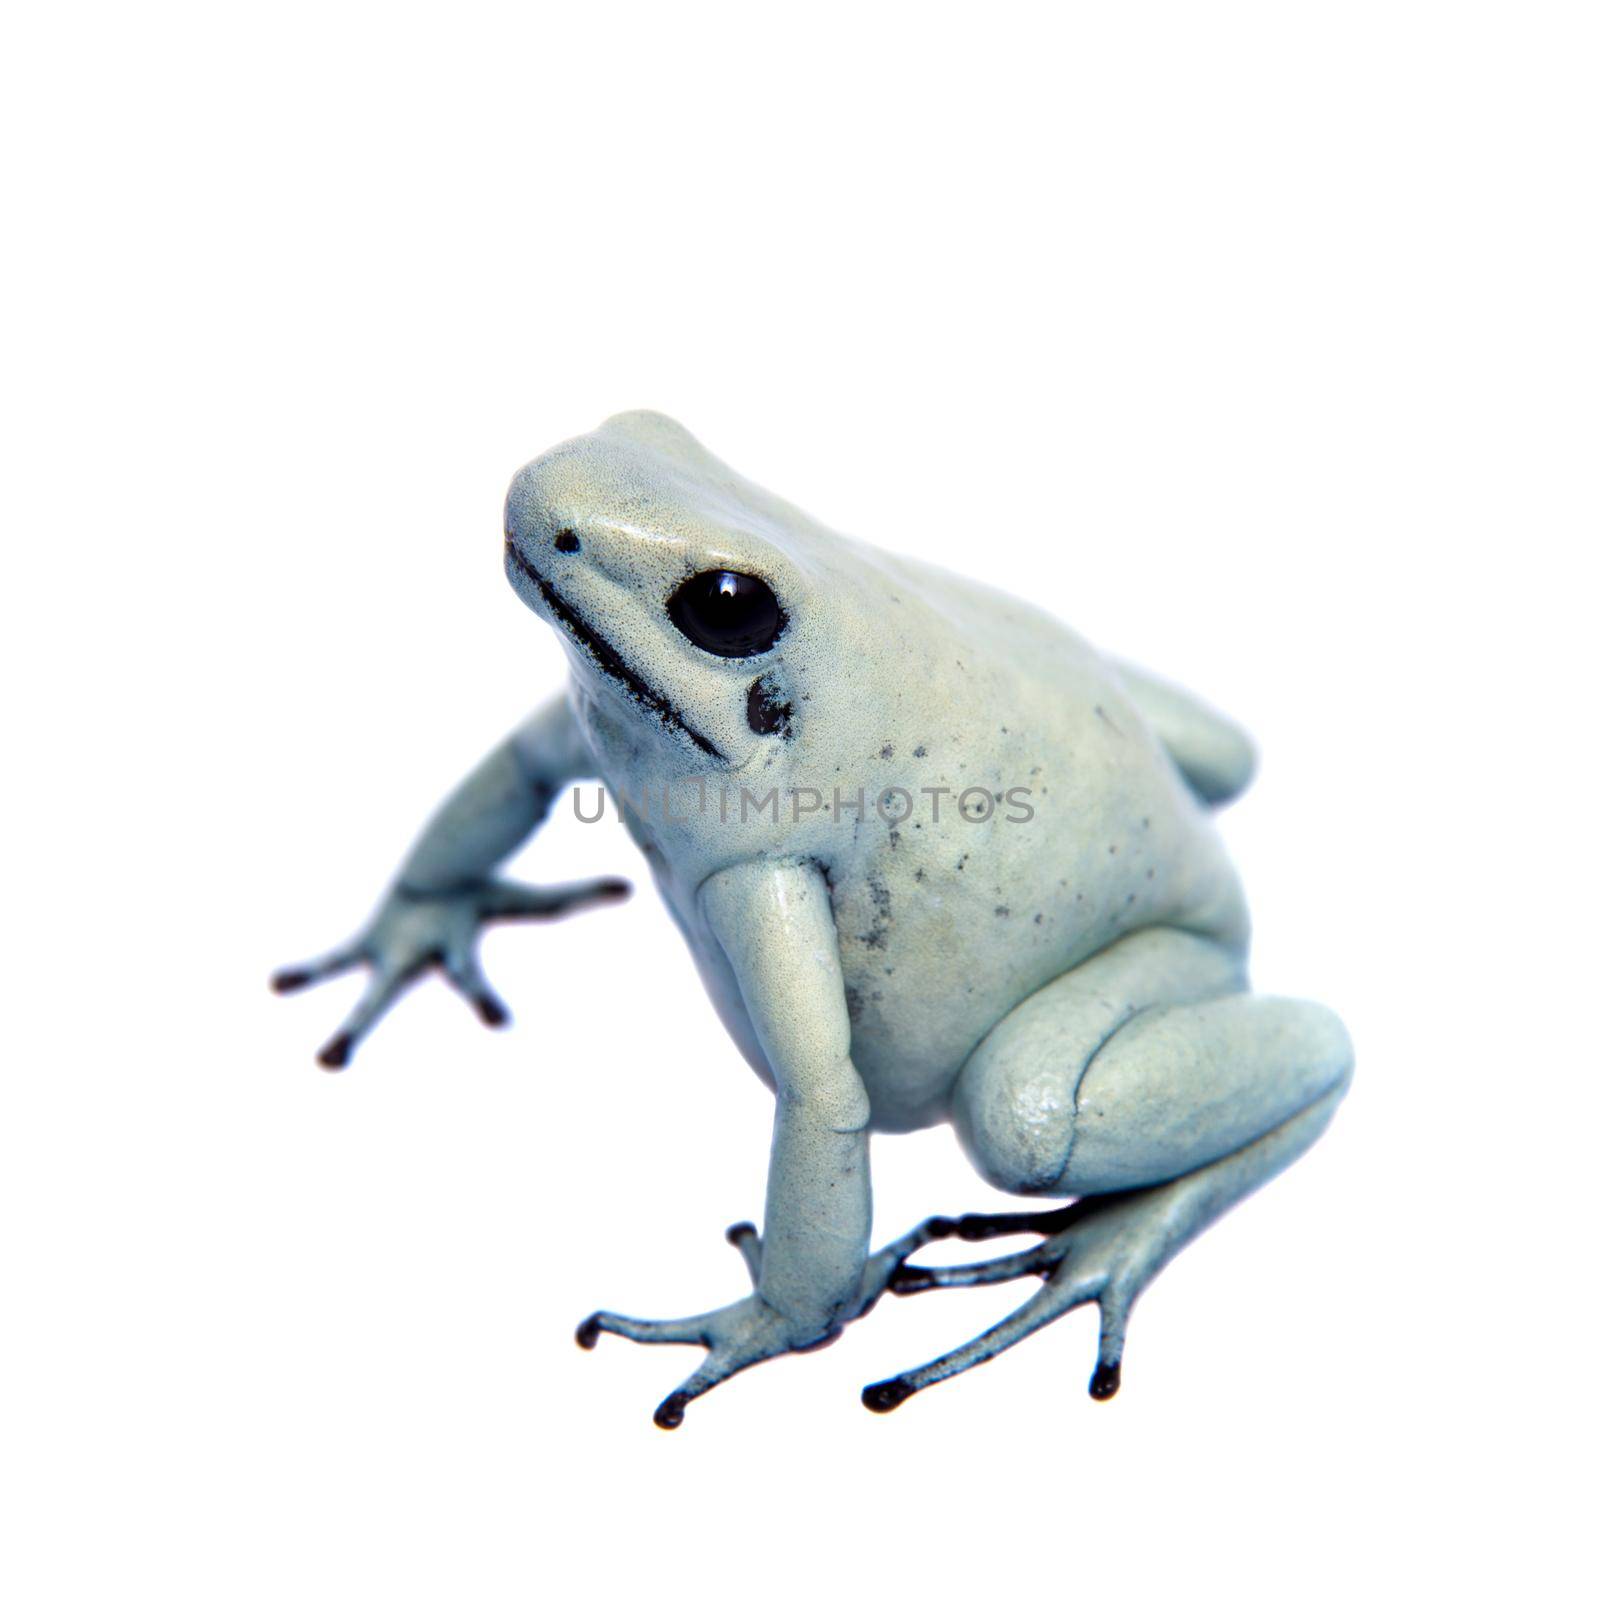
542, 550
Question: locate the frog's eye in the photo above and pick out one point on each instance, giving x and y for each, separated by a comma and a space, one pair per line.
727, 613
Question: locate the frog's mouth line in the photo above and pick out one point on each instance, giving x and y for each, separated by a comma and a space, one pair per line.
608, 658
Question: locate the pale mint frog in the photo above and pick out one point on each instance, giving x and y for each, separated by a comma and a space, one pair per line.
936, 860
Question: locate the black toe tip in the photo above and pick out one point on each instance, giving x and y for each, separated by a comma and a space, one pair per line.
287, 981
588, 1333
492, 1014
335, 1054
740, 1231
669, 1414
910, 1280
881, 1397
1106, 1381
614, 888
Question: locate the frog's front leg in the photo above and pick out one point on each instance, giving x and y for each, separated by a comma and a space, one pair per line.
448, 888
810, 1264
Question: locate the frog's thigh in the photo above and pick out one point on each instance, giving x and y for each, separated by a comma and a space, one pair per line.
1014, 1101
1183, 1085
1139, 1067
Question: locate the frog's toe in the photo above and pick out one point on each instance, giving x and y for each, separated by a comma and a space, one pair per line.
747, 1241
973, 1274
669, 1414
642, 1330
387, 985
1060, 1295
718, 1365
1106, 1381
977, 1225
885, 1396
287, 980
1042, 1258
717, 1368
734, 1337
527, 902
1098, 1249
883, 1265
464, 974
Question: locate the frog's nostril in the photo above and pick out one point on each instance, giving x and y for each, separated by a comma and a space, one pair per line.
567, 542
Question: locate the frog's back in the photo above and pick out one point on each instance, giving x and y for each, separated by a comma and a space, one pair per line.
1046, 821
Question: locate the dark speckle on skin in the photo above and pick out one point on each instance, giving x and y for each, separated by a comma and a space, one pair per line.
1038, 916
767, 711
920, 751
1002, 911
961, 865
877, 936
885, 753
919, 875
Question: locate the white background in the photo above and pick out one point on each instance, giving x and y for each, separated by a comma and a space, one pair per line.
1259, 341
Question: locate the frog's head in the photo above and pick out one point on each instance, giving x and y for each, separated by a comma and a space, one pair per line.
686, 597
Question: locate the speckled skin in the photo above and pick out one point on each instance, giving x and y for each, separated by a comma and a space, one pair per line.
1065, 979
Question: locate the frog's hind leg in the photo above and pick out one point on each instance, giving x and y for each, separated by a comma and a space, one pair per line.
1180, 1112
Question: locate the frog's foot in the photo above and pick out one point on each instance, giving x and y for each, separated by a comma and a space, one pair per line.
1104, 1249
751, 1331
415, 933
1085, 1255
734, 1337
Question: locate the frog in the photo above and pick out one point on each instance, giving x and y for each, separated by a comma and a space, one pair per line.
938, 861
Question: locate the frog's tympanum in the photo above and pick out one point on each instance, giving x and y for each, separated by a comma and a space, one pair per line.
935, 858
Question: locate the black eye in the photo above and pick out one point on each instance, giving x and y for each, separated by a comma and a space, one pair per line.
727, 613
